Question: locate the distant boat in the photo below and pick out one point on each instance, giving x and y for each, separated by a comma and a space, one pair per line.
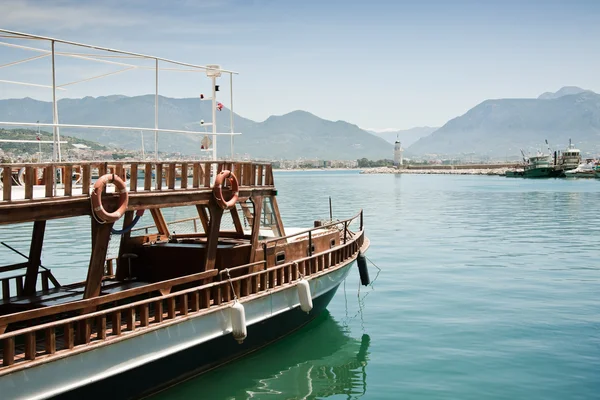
538, 166
586, 170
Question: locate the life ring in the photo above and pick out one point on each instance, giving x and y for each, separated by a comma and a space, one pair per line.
96, 197
218, 189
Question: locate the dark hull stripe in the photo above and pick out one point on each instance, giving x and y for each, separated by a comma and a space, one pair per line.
167, 371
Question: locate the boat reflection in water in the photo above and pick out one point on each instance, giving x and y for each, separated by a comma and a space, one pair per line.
319, 361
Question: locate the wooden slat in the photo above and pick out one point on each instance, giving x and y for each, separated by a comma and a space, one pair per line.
68, 336
68, 180
158, 311
205, 296
144, 315
197, 175
120, 172
30, 351
50, 340
35, 255
148, 177
159, 176
101, 326
116, 323
86, 179
49, 180
19, 283
133, 179
130, 318
7, 183
29, 182
206, 172
45, 280
184, 175
171, 176
85, 334
259, 176
183, 304
8, 353
171, 307
194, 301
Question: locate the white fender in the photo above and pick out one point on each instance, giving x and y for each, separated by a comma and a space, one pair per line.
304, 295
238, 321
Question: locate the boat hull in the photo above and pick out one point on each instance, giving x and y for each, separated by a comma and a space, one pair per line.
160, 358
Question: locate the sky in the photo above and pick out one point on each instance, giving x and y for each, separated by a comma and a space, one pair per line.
377, 64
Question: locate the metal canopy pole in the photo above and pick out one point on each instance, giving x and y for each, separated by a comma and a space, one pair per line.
56, 153
156, 115
231, 111
214, 116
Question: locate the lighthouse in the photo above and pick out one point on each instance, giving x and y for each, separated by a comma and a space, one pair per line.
398, 153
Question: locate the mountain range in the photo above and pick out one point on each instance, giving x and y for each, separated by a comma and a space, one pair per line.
499, 128
494, 128
298, 134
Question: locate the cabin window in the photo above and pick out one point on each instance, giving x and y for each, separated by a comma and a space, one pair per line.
332, 244
280, 258
269, 223
311, 250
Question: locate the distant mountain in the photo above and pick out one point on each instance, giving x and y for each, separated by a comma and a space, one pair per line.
290, 136
564, 91
406, 136
499, 128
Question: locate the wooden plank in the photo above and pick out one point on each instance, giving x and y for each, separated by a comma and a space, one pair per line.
19, 284
269, 181
197, 175
116, 323
206, 173
183, 304
101, 326
159, 176
171, 176
216, 213
257, 201
68, 336
194, 301
29, 182
86, 179
144, 315
7, 183
50, 340
158, 311
203, 217
130, 318
133, 179
35, 255
49, 180
259, 175
68, 180
184, 175
159, 221
171, 307
8, 351
205, 296
148, 177
97, 259
120, 172
30, 351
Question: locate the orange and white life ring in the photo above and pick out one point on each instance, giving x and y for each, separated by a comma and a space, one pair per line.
96, 196
218, 189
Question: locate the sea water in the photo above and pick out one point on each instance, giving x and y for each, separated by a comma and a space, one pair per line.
483, 287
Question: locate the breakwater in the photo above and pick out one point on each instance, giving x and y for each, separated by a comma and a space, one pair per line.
464, 169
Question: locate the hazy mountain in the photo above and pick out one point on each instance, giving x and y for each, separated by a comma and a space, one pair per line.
499, 128
564, 91
290, 136
406, 136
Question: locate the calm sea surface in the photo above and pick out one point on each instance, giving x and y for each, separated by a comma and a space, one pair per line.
489, 288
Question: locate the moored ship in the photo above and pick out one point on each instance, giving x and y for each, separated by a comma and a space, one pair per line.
170, 305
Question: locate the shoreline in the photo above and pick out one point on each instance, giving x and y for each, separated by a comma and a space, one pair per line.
438, 171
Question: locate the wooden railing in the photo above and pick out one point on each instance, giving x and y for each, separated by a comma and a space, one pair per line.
18, 281
21, 346
156, 176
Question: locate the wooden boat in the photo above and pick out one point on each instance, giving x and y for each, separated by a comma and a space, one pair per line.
170, 305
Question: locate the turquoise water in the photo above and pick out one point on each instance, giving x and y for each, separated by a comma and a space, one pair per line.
489, 288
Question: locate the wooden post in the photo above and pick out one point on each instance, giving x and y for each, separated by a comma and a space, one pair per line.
159, 176
68, 180
159, 221
86, 179
8, 355
184, 175
100, 236
123, 265
207, 168
29, 182
148, 177
133, 177
7, 182
197, 175
216, 213
171, 176
257, 201
35, 253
